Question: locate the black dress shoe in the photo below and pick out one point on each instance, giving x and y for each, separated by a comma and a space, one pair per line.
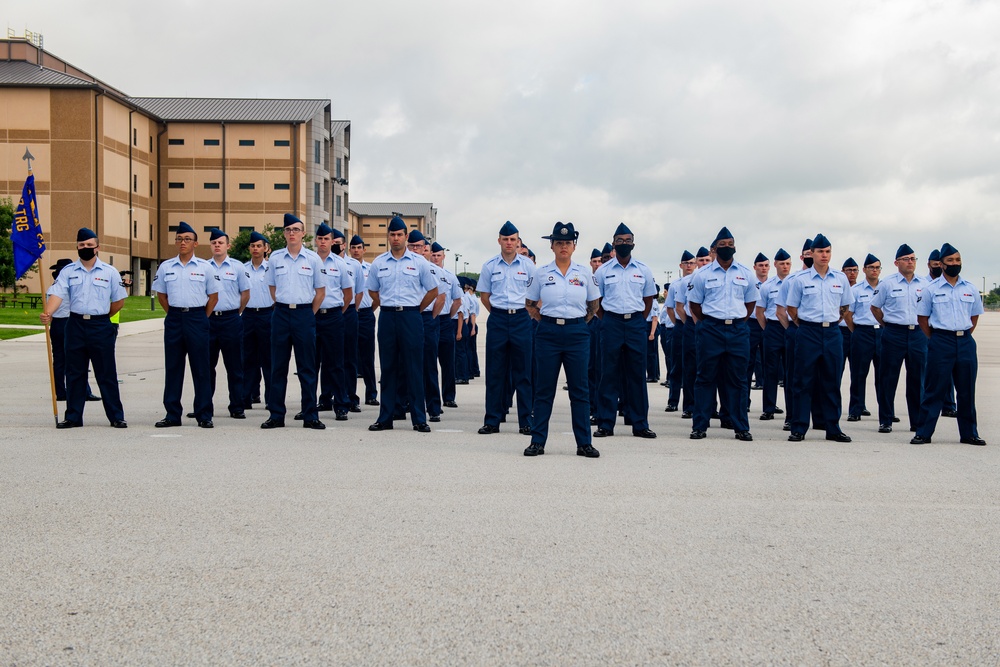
313, 424
796, 437
745, 436
166, 422
450, 404
61, 397
93, 397
643, 433
918, 440
205, 423
434, 418
355, 408
461, 382
670, 408
421, 428
686, 414
237, 414
371, 401
380, 426
974, 440
779, 411
534, 449
299, 416
895, 420
884, 428
838, 437
121, 423
865, 413
603, 433
272, 423
323, 406
786, 427
588, 451
192, 415
503, 418
341, 416
524, 430
767, 416
727, 423
758, 387
715, 415
68, 424
950, 413
698, 435
853, 418
487, 429
913, 429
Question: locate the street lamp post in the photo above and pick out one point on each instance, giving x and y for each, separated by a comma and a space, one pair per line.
457, 256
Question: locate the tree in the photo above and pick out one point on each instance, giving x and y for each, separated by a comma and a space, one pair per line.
240, 248
992, 298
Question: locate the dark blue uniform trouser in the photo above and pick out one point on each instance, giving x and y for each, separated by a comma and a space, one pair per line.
226, 337
774, 357
652, 354
432, 389
462, 353
57, 332
723, 355
366, 351
845, 334
756, 351
690, 362
473, 352
951, 359
791, 369
256, 353
594, 362
623, 356
900, 345
676, 374
447, 329
351, 324
293, 329
91, 341
666, 335
185, 335
818, 368
866, 351
401, 343
508, 353
568, 346
330, 352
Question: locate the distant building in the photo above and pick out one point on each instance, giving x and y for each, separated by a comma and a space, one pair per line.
371, 219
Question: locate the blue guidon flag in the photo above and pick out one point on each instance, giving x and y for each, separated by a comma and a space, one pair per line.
26, 232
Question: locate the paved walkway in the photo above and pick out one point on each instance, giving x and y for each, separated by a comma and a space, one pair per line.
242, 546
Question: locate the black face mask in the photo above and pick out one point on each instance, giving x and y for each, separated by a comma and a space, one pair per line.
624, 249
936, 272
725, 253
337, 248
808, 261
86, 254
952, 270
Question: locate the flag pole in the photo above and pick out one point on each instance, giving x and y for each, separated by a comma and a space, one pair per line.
48, 344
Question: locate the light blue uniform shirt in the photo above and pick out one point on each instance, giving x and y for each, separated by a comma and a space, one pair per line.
507, 284
186, 285
819, 299
950, 308
336, 278
768, 301
233, 281
449, 285
782, 299
357, 275
673, 292
898, 299
88, 292
260, 293
623, 287
442, 288
654, 311
861, 307
295, 279
681, 296
723, 293
366, 300
563, 296
401, 282
63, 310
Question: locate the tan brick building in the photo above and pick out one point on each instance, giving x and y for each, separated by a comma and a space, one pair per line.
372, 221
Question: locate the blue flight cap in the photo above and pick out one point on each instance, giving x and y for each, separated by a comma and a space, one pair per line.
397, 224
935, 256
291, 220
607, 249
903, 251
687, 256
416, 237
324, 230
84, 234
217, 234
657, 288
948, 249
761, 257
337, 234
437, 247
531, 253
702, 252
508, 229
185, 228
563, 231
821, 242
357, 240
781, 255
724, 233
807, 245
849, 263
595, 254
622, 230
870, 259
257, 236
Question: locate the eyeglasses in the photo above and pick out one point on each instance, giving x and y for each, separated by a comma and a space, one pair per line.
906, 259
184, 239
293, 230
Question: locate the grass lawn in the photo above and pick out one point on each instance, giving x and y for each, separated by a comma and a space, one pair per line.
7, 334
135, 308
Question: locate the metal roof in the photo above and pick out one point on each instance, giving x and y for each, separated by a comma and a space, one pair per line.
231, 110
385, 210
338, 126
21, 73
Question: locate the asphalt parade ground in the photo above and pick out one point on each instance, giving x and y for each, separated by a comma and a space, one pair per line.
242, 546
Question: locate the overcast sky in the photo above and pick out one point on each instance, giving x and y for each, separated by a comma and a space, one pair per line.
875, 123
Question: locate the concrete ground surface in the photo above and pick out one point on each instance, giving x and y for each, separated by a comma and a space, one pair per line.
242, 546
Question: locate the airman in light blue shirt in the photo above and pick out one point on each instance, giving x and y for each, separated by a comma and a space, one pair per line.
294, 280
624, 288
506, 284
186, 285
260, 292
401, 282
724, 293
88, 292
233, 281
337, 279
563, 296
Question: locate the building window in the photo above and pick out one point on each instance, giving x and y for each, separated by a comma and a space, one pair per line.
339, 172
282, 142
175, 142
208, 228
337, 211
246, 229
211, 186
246, 142
151, 232
211, 142
173, 185
135, 183
135, 136
150, 188
247, 186
151, 144
282, 186
316, 199
318, 149
135, 229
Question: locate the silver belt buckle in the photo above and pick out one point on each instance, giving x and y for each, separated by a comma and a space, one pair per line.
959, 333
826, 324
398, 309
560, 321
627, 316
511, 311
86, 317
876, 326
911, 327
291, 306
728, 322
